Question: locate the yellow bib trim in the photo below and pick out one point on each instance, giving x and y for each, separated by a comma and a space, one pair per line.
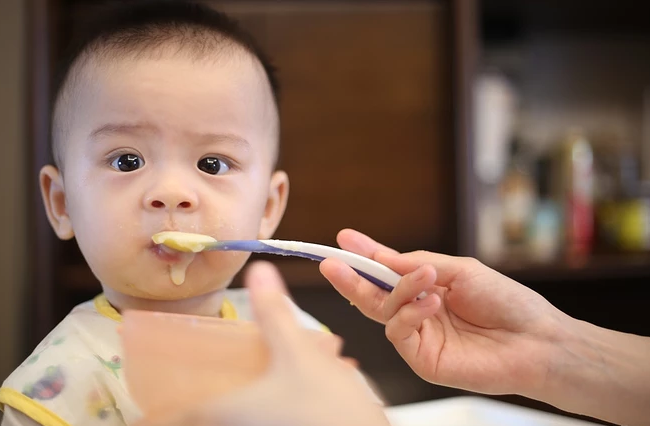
30, 408
228, 310
104, 307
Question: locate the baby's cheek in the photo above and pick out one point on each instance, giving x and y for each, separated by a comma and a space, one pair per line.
244, 228
227, 262
107, 239
215, 271
106, 232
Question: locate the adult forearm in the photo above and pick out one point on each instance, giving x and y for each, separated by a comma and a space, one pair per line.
600, 373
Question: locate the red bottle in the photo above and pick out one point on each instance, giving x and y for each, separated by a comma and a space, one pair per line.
578, 183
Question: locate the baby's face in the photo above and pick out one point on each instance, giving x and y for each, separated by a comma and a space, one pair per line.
170, 144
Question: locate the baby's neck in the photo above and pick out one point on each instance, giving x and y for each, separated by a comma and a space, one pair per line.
205, 305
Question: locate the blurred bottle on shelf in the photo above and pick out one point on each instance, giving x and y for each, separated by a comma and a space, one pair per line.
575, 189
545, 226
624, 219
518, 197
634, 225
495, 105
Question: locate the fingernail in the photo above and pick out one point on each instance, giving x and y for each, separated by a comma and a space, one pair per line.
426, 301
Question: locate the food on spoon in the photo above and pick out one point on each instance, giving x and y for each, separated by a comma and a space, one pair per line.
183, 241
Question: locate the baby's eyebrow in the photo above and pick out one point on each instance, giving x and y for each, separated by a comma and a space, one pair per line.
138, 129
221, 138
110, 129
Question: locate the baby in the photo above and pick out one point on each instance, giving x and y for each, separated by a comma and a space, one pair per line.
166, 119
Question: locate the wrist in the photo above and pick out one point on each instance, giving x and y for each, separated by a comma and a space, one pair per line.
574, 363
558, 350
597, 372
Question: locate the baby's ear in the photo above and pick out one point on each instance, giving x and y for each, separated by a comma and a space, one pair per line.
53, 194
275, 204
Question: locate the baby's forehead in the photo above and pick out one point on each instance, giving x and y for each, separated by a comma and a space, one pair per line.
95, 68
93, 73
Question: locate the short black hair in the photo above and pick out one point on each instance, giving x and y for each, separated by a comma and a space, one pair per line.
137, 26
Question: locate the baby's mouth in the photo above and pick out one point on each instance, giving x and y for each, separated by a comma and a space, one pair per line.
178, 261
184, 241
178, 249
167, 254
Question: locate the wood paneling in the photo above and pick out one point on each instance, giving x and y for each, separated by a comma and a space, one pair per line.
41, 36
366, 125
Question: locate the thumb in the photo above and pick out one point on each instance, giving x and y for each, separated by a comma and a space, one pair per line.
272, 310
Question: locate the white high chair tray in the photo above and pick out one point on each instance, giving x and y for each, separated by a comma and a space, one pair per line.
474, 411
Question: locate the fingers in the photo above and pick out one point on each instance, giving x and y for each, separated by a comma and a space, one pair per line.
350, 362
195, 417
367, 297
359, 243
447, 267
277, 320
422, 280
272, 310
405, 324
328, 343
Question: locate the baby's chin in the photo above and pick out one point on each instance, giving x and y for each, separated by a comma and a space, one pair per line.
163, 285
163, 289
204, 274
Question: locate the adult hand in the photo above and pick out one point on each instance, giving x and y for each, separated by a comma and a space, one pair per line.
477, 329
482, 331
306, 384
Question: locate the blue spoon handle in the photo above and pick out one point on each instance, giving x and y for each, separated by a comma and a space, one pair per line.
372, 271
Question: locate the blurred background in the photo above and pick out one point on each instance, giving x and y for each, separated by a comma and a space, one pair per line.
514, 131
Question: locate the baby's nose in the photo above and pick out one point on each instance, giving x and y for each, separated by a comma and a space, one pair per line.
171, 196
159, 204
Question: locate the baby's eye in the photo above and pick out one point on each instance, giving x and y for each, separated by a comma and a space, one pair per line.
127, 163
212, 165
